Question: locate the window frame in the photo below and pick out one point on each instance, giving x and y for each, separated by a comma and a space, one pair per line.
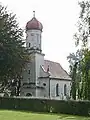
57, 89
29, 44
65, 89
28, 71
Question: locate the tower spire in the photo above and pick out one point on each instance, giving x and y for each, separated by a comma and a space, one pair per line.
33, 13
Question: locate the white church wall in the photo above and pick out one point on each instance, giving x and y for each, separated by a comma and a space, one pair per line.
42, 72
33, 39
28, 73
39, 58
25, 74
25, 91
44, 84
28, 76
61, 84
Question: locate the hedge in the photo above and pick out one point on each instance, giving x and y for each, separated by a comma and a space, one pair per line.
46, 105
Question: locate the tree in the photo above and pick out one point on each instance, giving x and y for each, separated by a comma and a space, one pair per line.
81, 72
85, 63
13, 55
74, 71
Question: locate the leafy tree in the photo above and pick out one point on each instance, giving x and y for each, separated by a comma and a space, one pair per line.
81, 71
13, 55
74, 71
85, 63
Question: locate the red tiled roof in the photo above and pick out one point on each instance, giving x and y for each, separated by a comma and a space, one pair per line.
55, 70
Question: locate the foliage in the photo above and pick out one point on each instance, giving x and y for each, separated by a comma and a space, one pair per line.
83, 24
46, 105
13, 55
74, 60
80, 72
85, 67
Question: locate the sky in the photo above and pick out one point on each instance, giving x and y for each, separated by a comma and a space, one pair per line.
59, 18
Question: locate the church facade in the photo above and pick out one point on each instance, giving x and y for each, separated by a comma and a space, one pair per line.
42, 78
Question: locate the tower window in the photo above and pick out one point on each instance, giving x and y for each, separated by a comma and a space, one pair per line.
28, 71
29, 44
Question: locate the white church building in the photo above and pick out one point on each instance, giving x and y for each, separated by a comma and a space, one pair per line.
42, 78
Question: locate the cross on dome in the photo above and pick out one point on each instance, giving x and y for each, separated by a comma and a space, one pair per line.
34, 24
33, 13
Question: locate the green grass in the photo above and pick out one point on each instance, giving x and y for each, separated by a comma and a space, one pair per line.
16, 115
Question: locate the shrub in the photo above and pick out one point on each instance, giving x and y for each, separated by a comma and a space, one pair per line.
46, 105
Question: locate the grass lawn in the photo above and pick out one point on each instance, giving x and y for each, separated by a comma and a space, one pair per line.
16, 115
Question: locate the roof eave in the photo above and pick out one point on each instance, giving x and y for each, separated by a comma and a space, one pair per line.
61, 79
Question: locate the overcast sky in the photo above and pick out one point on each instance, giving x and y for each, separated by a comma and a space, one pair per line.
58, 18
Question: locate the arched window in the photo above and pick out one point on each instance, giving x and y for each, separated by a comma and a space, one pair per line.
29, 44
28, 94
65, 89
57, 91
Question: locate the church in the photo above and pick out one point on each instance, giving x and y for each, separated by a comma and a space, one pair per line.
42, 78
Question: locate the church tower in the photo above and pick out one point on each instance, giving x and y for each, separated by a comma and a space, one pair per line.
33, 34
33, 45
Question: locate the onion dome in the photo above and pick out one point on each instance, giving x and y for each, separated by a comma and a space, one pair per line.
34, 24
